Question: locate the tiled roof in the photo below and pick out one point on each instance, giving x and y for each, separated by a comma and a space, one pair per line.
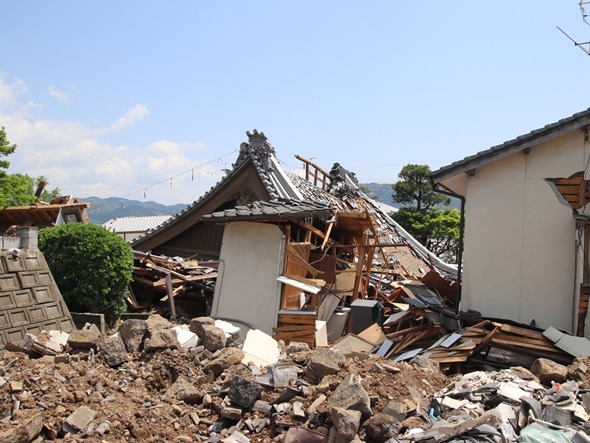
272, 209
135, 224
521, 142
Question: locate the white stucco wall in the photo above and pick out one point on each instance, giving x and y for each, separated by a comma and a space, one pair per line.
251, 259
519, 240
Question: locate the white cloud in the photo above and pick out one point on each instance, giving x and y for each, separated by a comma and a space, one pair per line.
133, 116
9, 92
73, 157
60, 95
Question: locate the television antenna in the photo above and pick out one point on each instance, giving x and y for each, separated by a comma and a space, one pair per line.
585, 16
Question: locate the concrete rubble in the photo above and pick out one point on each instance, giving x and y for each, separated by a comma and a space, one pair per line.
137, 384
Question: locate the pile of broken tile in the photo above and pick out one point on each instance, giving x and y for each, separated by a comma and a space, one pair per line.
153, 381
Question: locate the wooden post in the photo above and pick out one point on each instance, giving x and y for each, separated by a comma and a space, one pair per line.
170, 292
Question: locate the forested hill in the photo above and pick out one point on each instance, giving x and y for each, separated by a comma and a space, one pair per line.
383, 192
103, 209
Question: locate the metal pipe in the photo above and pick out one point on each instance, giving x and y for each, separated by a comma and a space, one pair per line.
441, 189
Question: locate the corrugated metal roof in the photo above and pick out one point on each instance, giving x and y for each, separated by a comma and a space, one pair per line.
135, 224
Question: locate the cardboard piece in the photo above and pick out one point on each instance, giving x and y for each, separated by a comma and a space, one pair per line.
352, 343
374, 334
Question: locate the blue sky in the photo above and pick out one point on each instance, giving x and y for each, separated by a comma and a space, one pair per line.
112, 99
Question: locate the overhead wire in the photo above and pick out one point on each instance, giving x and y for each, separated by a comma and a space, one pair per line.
167, 179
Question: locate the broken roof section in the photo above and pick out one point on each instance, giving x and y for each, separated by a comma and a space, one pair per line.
59, 211
258, 178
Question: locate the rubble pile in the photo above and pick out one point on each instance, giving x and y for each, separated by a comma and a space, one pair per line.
153, 381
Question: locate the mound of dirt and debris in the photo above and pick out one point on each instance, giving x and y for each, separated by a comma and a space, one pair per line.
152, 381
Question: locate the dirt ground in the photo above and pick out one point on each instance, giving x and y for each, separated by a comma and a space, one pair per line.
133, 397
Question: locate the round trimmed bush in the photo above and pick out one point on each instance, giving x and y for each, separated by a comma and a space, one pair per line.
91, 266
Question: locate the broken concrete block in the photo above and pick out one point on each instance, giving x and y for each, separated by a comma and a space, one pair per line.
84, 339
213, 338
324, 361
244, 392
186, 338
346, 422
16, 386
25, 432
295, 346
261, 406
80, 418
113, 350
237, 370
382, 427
549, 371
232, 332
227, 358
50, 342
351, 395
196, 324
184, 391
236, 437
161, 339
297, 410
229, 412
132, 331
397, 410
284, 375
260, 348
61, 358
425, 363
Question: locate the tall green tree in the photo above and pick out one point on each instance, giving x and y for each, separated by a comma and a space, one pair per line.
413, 189
435, 228
5, 149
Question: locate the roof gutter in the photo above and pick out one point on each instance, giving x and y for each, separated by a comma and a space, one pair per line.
441, 189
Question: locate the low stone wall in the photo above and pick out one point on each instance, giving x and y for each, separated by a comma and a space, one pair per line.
30, 300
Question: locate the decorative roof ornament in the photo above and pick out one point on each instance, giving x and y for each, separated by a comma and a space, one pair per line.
257, 144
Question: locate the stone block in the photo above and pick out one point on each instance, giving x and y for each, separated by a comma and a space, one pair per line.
80, 418
113, 350
244, 392
132, 332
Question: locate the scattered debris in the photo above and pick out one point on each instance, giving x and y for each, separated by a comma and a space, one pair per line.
174, 393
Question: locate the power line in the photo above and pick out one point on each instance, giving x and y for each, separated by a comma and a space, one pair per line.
168, 179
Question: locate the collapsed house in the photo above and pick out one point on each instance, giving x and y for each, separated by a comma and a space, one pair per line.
58, 211
289, 249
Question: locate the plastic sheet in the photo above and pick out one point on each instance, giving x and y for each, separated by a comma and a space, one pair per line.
536, 433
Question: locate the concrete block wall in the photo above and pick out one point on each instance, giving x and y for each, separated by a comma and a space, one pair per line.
30, 301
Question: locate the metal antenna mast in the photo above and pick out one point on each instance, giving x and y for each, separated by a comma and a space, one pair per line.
582, 5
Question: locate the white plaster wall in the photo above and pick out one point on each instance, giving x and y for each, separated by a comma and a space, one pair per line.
519, 240
250, 261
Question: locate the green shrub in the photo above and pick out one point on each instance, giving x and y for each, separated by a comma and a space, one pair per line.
91, 266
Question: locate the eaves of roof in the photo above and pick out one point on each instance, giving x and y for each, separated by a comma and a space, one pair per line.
272, 210
510, 147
